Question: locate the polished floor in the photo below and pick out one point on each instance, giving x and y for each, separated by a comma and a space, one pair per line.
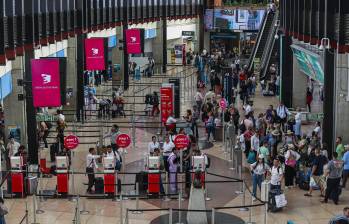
300, 210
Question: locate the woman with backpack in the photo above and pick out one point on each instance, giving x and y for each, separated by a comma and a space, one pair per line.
258, 169
291, 158
210, 126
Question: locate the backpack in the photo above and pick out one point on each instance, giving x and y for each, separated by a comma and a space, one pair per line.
155, 100
148, 99
251, 158
242, 127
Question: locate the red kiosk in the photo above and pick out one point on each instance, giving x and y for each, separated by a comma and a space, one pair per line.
153, 165
71, 142
17, 175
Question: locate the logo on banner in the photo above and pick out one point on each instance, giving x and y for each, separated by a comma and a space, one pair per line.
46, 78
95, 51
133, 41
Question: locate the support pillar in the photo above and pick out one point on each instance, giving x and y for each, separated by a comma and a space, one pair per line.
329, 105
14, 110
71, 78
160, 42
286, 70
80, 66
126, 56
300, 81
33, 144
117, 58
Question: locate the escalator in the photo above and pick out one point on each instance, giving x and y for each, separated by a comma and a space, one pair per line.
262, 39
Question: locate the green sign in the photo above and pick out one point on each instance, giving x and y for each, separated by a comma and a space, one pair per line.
313, 117
46, 117
188, 33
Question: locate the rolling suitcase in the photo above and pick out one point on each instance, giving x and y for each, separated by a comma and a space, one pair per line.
272, 200
99, 185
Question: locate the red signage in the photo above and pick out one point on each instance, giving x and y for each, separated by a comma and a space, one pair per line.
95, 55
166, 98
181, 141
134, 41
46, 82
123, 140
71, 142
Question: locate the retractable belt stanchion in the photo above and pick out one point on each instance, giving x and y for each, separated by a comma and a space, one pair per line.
17, 175
243, 201
170, 216
72, 177
179, 208
121, 208
213, 213
62, 164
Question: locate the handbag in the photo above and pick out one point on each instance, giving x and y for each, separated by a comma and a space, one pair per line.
280, 200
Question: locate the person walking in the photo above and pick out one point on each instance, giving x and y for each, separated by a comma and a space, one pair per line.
155, 104
277, 175
309, 98
298, 124
334, 173
259, 170
340, 148
210, 125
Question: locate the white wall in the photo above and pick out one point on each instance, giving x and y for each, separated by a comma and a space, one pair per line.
6, 68
45, 51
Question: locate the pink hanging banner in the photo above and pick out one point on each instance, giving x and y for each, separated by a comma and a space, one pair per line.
95, 54
46, 83
134, 41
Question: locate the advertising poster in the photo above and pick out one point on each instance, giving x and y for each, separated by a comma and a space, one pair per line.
95, 54
134, 41
178, 54
166, 99
46, 82
237, 19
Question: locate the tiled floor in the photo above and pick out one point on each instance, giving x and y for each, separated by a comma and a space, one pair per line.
300, 209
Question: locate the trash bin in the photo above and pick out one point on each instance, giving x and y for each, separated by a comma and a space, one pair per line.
219, 133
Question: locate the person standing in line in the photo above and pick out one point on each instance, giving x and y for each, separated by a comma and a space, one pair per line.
198, 99
277, 175
346, 167
173, 167
334, 173
114, 132
340, 148
91, 165
210, 125
12, 147
291, 157
167, 149
282, 113
154, 144
155, 103
298, 124
258, 170
255, 143
195, 120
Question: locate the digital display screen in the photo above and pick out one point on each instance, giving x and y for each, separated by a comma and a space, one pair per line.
234, 19
309, 64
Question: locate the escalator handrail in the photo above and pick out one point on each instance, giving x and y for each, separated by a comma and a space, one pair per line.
269, 40
255, 47
269, 46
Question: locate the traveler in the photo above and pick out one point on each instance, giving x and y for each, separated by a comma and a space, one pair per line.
171, 123
255, 142
173, 167
155, 104
154, 144
114, 132
346, 167
309, 99
210, 126
339, 147
115, 155
167, 149
334, 173
3, 211
317, 171
91, 165
12, 147
264, 151
276, 175
341, 219
282, 113
258, 170
195, 120
198, 99
291, 157
298, 124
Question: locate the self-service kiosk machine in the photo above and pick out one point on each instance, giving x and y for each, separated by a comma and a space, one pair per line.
62, 169
17, 175
154, 175
199, 164
109, 174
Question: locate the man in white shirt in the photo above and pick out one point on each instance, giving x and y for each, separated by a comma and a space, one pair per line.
198, 99
276, 175
171, 123
153, 145
91, 165
115, 155
12, 147
282, 113
60, 116
255, 142
167, 150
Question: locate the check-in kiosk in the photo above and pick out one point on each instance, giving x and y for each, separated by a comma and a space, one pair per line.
153, 165
17, 175
199, 164
109, 174
62, 169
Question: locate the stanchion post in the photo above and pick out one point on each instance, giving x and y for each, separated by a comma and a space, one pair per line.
207, 198
137, 200
265, 212
115, 185
179, 207
84, 211
166, 188
126, 216
213, 216
170, 216
243, 202
38, 210
72, 179
78, 210
121, 218
34, 209
250, 213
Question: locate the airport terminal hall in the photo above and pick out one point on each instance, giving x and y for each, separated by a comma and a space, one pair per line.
174, 111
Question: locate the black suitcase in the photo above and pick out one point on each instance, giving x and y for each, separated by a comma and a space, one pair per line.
142, 179
272, 203
99, 185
